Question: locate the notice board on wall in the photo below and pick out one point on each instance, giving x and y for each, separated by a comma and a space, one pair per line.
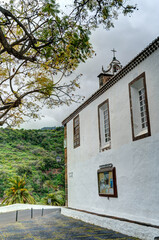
107, 182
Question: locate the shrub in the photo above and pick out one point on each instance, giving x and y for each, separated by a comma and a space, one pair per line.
21, 170
55, 199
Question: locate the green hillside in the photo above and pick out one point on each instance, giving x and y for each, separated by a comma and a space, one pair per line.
38, 154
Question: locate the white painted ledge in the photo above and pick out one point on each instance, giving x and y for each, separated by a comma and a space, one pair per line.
131, 229
19, 206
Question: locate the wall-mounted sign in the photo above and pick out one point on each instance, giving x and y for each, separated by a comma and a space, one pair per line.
107, 182
70, 174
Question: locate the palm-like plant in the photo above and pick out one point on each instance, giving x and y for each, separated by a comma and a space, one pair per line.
17, 193
56, 198
49, 185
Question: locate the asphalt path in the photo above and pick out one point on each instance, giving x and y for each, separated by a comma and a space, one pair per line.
53, 225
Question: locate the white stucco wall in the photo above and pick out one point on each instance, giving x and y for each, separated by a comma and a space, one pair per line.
136, 162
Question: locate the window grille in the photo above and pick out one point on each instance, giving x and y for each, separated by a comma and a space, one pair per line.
143, 108
76, 131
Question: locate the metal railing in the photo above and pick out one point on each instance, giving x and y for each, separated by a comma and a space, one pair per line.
25, 215
32, 211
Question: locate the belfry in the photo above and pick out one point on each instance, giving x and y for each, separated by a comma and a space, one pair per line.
113, 68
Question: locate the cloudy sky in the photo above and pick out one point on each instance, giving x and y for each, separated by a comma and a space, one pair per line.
130, 36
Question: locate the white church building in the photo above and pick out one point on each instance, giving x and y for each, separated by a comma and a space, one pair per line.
112, 149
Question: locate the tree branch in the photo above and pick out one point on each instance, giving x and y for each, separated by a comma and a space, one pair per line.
11, 50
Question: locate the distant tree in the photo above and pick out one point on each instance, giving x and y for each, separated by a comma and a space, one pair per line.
39, 45
17, 193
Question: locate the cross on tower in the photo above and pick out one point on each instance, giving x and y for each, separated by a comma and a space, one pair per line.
114, 51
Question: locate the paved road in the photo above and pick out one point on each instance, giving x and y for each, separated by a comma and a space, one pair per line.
55, 226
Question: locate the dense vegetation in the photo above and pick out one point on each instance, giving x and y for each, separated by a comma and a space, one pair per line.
37, 154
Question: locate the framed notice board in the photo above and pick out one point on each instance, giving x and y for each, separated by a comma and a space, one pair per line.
107, 182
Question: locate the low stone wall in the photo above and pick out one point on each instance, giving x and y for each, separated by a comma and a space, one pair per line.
19, 206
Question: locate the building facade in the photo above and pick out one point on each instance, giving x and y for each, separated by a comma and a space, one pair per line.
112, 150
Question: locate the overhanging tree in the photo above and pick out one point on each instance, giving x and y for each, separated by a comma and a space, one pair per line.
39, 45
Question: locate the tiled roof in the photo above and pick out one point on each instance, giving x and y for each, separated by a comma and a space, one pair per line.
131, 65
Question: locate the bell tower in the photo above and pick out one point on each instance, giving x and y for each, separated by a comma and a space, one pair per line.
114, 67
